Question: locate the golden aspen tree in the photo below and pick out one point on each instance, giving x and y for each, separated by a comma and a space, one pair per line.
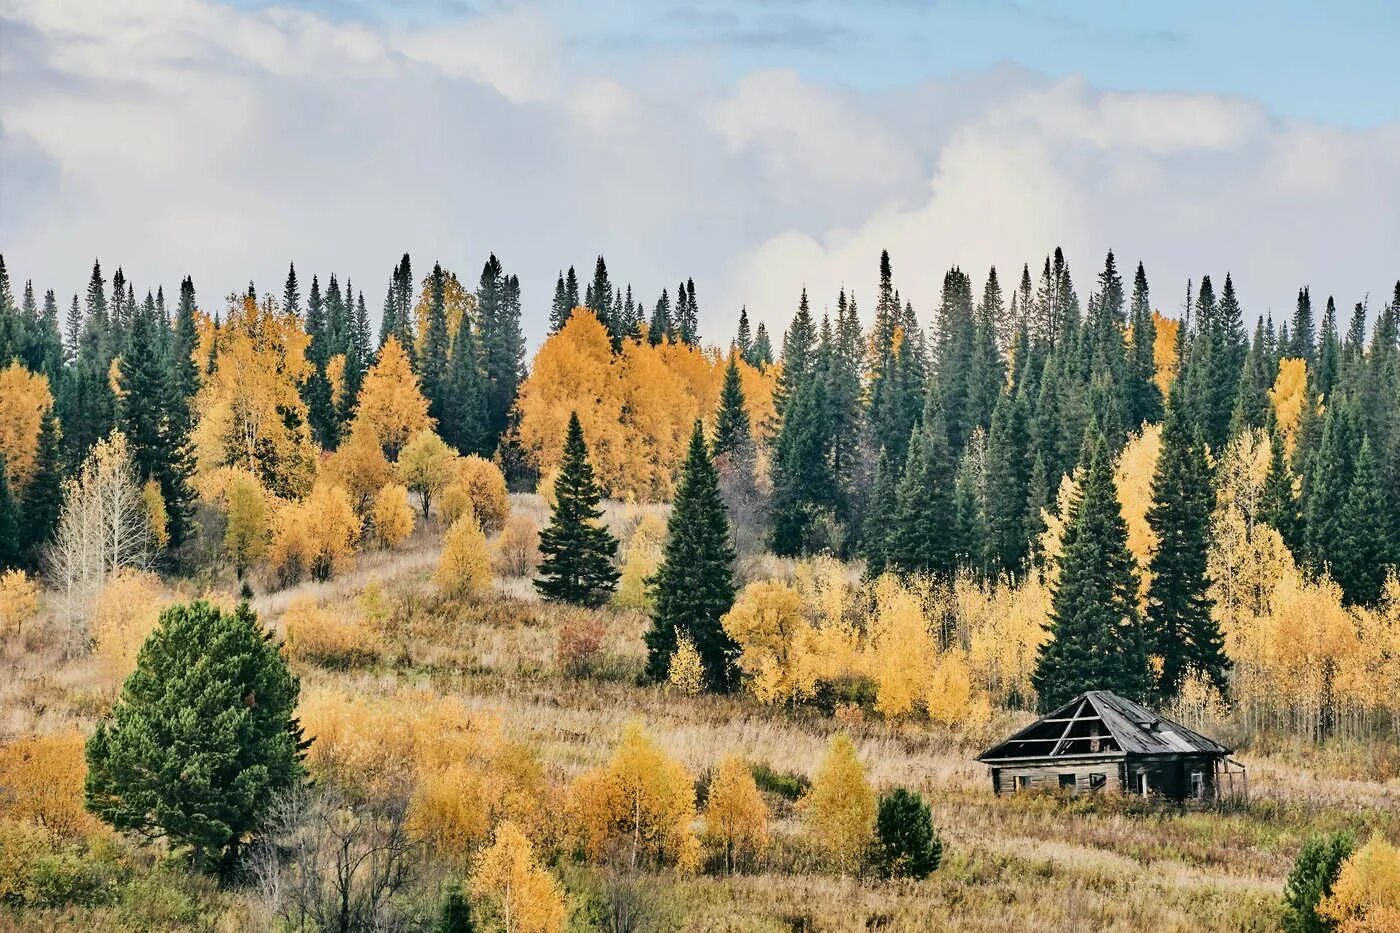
1132, 477
124, 613
526, 896
1365, 897
247, 525
391, 404
900, 650
736, 818
774, 638
840, 807
477, 484
1288, 395
43, 780
426, 465
392, 516
24, 401
156, 516
686, 671
949, 699
1164, 359
464, 569
334, 529
359, 466
641, 556
19, 601
639, 808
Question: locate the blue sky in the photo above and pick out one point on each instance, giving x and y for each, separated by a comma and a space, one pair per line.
1335, 62
759, 148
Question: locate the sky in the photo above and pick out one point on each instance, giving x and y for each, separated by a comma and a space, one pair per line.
758, 147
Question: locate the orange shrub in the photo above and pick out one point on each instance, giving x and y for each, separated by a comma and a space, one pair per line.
516, 552
480, 486
318, 635
125, 612
464, 569
42, 777
19, 600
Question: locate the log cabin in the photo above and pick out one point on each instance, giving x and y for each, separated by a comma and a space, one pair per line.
1101, 742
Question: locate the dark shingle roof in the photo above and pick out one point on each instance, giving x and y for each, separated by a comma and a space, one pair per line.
1096, 721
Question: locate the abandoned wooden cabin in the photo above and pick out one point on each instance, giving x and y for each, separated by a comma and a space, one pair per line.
1100, 741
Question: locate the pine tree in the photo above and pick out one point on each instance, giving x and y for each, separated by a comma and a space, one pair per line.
1095, 636
502, 346
732, 431
1329, 352
600, 299
880, 514
577, 549
1179, 627
1279, 506
11, 522
1327, 477
186, 753
1364, 553
743, 338
433, 366
465, 422
762, 348
923, 534
1252, 407
660, 327
1144, 398
687, 314
11, 334
1301, 345
799, 355
316, 390
694, 586
559, 309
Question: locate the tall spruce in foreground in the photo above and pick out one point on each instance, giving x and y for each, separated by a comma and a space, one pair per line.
1179, 627
1095, 636
203, 735
577, 548
694, 587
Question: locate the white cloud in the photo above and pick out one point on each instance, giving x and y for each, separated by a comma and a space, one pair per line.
183, 136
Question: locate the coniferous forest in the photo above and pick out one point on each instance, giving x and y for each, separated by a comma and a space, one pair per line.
315, 617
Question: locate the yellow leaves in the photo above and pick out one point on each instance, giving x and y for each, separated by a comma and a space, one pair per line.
315, 535
426, 465
333, 638
1133, 478
1289, 393
43, 780
448, 810
359, 465
636, 406
391, 403
335, 377
686, 672
392, 516
774, 638
19, 600
24, 401
639, 808
1003, 626
480, 486
251, 411
736, 818
526, 896
246, 511
464, 569
1366, 895
901, 652
1164, 359
156, 515
125, 612
949, 698
516, 551
641, 557
840, 807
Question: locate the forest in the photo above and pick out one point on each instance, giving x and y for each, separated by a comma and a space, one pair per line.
309, 623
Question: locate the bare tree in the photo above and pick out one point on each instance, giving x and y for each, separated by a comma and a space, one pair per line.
324, 863
103, 525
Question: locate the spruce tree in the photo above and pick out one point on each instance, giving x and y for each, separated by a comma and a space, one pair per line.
1363, 554
203, 737
559, 309
1095, 636
433, 365
1326, 480
687, 314
694, 586
879, 514
1006, 545
316, 390
924, 531
1279, 505
600, 299
743, 338
799, 356
43, 497
577, 548
732, 430
803, 483
1144, 398
1179, 627
465, 422
762, 347
1302, 343
660, 327
11, 522
502, 345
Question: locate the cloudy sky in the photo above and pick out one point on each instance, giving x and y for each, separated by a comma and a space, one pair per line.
758, 147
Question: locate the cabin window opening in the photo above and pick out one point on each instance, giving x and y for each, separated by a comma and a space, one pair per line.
1095, 745
1198, 784
1142, 782
1098, 781
1067, 780
1023, 782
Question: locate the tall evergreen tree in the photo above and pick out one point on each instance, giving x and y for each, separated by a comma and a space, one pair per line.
743, 338
732, 430
11, 522
881, 507
43, 497
694, 586
762, 347
687, 315
803, 484
1180, 628
1302, 343
1364, 551
577, 548
436, 346
1329, 352
660, 327
923, 535
559, 309
1280, 503
316, 390
1095, 636
1143, 397
1007, 545
502, 345
465, 423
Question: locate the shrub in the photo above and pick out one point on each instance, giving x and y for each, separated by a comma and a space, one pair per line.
202, 736
392, 516
1366, 895
840, 807
526, 896
906, 844
19, 600
425, 466
517, 550
480, 486
1314, 873
315, 535
318, 635
464, 569
580, 643
641, 557
736, 818
639, 808
42, 781
123, 615
785, 784
686, 671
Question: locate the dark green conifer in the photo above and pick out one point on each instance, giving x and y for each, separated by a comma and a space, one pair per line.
733, 433
924, 534
1364, 553
577, 548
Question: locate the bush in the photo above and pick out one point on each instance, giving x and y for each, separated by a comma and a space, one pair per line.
517, 550
1366, 895
392, 516
464, 569
736, 818
1314, 873
580, 643
318, 635
41, 783
480, 486
19, 600
840, 807
785, 784
906, 845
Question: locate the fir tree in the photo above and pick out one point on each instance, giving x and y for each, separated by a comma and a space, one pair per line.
11, 522
1363, 554
762, 348
502, 346
433, 366
743, 338
43, 497
1301, 344
694, 586
732, 430
803, 484
1329, 352
687, 315
1008, 487
923, 534
464, 422
1143, 397
600, 299
1280, 504
577, 548
660, 328
316, 390
799, 355
1326, 480
1095, 637
1179, 626
559, 309
571, 289
880, 514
